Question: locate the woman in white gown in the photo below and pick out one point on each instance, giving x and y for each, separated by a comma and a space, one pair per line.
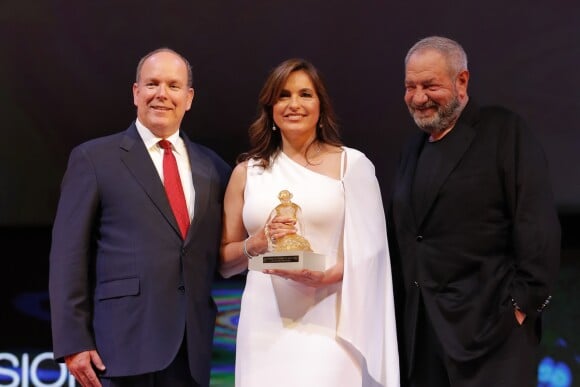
301, 327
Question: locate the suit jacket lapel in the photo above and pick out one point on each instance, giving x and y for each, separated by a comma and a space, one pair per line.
463, 135
414, 151
200, 173
137, 159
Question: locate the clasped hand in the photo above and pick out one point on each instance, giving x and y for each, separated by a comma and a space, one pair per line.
279, 227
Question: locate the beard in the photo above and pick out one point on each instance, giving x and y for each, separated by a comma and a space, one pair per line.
443, 118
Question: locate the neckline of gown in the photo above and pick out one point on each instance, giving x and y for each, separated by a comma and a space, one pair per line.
281, 153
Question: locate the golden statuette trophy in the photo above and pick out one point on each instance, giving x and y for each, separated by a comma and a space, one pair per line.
292, 251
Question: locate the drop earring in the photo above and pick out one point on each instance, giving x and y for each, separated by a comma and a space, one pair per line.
273, 127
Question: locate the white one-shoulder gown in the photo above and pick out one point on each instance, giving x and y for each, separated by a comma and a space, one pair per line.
288, 333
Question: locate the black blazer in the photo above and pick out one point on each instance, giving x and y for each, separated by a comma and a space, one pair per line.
489, 233
122, 280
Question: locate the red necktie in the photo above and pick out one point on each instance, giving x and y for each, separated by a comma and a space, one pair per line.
173, 188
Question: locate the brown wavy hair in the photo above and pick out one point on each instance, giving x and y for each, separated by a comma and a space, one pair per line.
264, 142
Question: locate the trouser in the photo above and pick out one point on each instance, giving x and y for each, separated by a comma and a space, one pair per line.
177, 374
512, 364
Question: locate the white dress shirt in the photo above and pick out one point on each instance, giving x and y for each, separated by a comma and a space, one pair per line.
180, 152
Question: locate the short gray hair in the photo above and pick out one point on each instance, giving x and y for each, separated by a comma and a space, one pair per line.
451, 50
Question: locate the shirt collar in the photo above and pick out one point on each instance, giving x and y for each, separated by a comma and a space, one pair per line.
151, 139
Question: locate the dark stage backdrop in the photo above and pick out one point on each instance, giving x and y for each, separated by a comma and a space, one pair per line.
66, 70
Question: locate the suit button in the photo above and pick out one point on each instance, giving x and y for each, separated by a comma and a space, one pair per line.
181, 289
419, 238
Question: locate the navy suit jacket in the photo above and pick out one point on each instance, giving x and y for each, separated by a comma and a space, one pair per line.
489, 232
122, 280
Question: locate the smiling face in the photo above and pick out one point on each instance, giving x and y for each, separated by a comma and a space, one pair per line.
161, 93
434, 96
297, 110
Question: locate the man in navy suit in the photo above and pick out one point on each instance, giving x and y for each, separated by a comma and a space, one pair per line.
130, 293
474, 228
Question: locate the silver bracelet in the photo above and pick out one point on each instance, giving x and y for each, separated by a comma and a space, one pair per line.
246, 253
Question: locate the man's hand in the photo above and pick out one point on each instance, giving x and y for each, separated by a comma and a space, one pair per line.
81, 364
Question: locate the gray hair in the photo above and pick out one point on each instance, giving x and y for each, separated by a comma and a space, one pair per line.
452, 51
165, 49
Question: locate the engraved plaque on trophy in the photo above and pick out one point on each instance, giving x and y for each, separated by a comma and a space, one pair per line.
292, 251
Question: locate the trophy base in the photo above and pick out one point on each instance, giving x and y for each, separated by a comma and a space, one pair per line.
288, 260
